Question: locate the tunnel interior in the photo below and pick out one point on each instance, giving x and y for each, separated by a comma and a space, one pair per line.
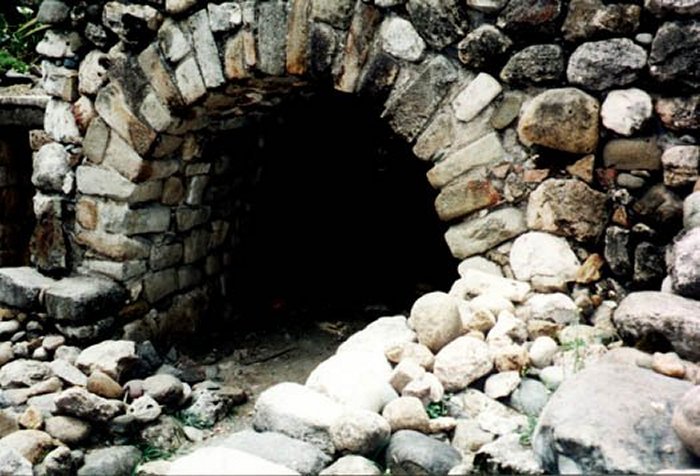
331, 216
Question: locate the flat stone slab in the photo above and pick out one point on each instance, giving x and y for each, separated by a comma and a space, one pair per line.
21, 287
83, 298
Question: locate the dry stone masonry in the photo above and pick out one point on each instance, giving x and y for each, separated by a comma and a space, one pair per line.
564, 143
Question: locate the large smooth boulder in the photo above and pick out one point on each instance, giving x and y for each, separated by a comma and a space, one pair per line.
650, 315
298, 412
611, 418
357, 379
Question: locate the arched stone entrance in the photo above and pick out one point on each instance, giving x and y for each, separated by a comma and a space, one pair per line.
123, 197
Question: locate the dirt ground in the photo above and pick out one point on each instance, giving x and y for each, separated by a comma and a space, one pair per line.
256, 360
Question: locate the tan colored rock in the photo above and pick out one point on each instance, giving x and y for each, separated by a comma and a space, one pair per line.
510, 357
564, 119
668, 364
583, 168
32, 444
589, 271
632, 154
436, 320
404, 373
569, 208
31, 419
464, 196
103, 385
406, 413
419, 353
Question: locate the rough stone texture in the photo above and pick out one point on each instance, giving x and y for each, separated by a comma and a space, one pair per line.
21, 287
461, 362
80, 403
408, 108
675, 53
563, 119
400, 39
464, 196
380, 335
81, 298
603, 64
691, 211
406, 413
440, 23
23, 373
411, 452
115, 460
684, 264
588, 19
435, 318
507, 455
476, 282
475, 236
679, 113
555, 206
536, 64
530, 17
681, 165
484, 48
653, 315
660, 207
31, 444
625, 111
587, 428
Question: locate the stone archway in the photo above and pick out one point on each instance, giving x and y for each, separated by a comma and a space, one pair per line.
139, 216
136, 89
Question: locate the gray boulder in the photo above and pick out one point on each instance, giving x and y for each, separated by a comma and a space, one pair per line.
411, 452
675, 53
507, 455
611, 418
654, 316
114, 460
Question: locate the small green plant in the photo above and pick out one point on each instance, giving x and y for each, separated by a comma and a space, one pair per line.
188, 419
18, 41
577, 346
151, 453
436, 409
526, 433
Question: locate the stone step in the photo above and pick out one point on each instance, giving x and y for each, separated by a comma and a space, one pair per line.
22, 287
83, 298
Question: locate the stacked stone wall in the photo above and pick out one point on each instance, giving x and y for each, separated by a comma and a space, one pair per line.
575, 118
